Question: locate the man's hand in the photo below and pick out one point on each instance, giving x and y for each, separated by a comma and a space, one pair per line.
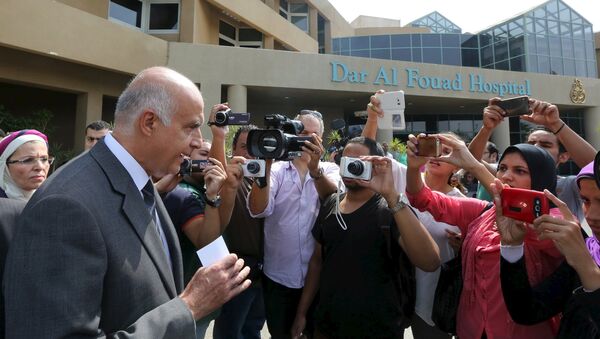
298, 326
214, 177
493, 115
167, 183
214, 285
544, 113
235, 174
315, 150
460, 155
512, 232
218, 131
382, 180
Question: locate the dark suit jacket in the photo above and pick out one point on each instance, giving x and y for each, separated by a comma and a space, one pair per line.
10, 209
86, 260
559, 292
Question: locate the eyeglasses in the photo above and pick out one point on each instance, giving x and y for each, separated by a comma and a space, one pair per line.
316, 114
31, 161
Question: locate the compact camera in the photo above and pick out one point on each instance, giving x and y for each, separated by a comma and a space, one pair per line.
279, 140
429, 146
189, 166
254, 168
524, 205
227, 117
354, 168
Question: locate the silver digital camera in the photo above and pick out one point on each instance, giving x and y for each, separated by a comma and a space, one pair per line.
355, 168
254, 168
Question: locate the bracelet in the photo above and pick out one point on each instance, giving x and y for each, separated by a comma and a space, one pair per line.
561, 127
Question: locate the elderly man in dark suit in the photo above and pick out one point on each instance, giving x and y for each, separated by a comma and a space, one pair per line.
10, 209
95, 253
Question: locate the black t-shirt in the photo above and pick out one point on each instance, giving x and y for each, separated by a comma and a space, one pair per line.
357, 297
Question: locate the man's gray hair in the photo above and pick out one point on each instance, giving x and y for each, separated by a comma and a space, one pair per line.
141, 96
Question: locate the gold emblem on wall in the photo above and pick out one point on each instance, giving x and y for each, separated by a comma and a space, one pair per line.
577, 92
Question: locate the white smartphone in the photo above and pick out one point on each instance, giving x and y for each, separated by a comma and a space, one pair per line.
393, 105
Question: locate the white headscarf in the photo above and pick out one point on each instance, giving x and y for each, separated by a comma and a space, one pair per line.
6, 182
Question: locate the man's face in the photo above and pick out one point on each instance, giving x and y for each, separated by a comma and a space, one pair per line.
354, 151
590, 195
547, 141
240, 148
181, 137
92, 137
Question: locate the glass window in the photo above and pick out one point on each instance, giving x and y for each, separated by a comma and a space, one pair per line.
432, 55
487, 55
450, 40
250, 34
380, 53
567, 48
529, 25
359, 42
554, 43
540, 12
589, 50
401, 54
500, 33
552, 27
345, 44
431, 40
451, 56
380, 41
517, 64
301, 21
556, 66
299, 8
532, 63
588, 34
360, 53
552, 9
565, 14
400, 40
283, 13
565, 29
417, 55
544, 64
516, 46
223, 42
469, 40
591, 69
580, 68
227, 30
578, 32
485, 39
335, 45
503, 65
501, 51
542, 44
540, 26
515, 28
470, 57
164, 16
531, 49
127, 11
569, 67
416, 40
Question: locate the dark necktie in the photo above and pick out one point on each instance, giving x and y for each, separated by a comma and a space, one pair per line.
149, 200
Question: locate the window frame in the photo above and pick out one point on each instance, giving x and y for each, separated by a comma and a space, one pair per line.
145, 17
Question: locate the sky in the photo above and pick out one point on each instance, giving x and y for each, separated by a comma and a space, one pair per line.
471, 15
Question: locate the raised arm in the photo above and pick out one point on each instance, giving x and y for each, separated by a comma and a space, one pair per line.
492, 117
374, 112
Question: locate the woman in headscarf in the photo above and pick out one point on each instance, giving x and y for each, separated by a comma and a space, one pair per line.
482, 312
24, 163
574, 288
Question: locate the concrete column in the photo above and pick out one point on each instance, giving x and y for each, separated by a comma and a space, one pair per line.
89, 108
211, 93
591, 120
268, 42
313, 27
384, 135
501, 136
237, 96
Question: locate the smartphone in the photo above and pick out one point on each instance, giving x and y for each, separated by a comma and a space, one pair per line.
429, 146
393, 105
524, 205
515, 106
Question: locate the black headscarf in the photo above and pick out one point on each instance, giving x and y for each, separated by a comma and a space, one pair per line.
542, 167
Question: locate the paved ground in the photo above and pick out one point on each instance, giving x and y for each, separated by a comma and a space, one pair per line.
264, 334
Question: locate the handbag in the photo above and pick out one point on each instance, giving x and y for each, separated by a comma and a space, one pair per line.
447, 295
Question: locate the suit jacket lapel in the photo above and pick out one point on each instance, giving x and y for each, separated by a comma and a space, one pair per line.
139, 218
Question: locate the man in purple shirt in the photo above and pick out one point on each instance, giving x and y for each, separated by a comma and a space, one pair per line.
290, 203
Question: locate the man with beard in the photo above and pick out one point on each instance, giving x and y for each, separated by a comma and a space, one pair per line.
350, 267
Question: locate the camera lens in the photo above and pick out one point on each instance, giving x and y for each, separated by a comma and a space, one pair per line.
253, 167
356, 167
221, 117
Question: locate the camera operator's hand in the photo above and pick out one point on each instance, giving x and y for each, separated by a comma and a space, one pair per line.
543, 113
218, 131
412, 159
374, 110
512, 232
167, 183
493, 115
315, 150
214, 178
235, 174
382, 180
460, 155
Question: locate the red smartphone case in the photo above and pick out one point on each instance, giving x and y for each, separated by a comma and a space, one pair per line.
524, 205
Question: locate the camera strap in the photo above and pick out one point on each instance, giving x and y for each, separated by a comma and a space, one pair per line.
338, 214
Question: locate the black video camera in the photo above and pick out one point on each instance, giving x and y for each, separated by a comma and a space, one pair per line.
189, 166
279, 140
227, 117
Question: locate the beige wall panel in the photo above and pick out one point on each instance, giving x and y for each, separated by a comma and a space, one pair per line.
206, 24
68, 33
187, 20
261, 17
95, 7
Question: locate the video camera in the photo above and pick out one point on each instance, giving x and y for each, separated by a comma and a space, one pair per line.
227, 117
279, 140
189, 166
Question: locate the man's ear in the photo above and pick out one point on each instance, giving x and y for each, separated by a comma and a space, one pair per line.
563, 157
147, 122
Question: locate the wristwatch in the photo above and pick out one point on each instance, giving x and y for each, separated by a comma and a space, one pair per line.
216, 202
400, 204
319, 174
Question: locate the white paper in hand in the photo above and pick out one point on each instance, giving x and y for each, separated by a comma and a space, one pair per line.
213, 252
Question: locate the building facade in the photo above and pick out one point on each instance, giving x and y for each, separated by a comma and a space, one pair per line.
74, 57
